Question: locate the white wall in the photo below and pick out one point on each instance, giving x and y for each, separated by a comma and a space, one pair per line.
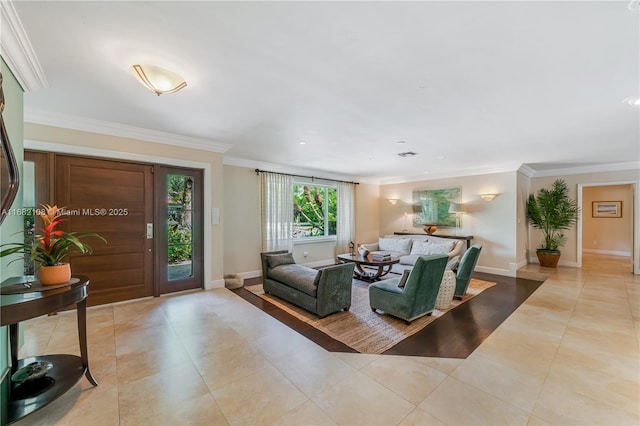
522, 228
493, 224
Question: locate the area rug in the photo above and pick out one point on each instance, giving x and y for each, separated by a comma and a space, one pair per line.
362, 329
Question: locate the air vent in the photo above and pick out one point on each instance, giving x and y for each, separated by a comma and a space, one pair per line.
407, 154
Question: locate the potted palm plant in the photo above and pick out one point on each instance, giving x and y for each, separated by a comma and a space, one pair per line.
51, 247
552, 211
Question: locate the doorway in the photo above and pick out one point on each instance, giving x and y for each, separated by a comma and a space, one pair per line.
613, 231
123, 201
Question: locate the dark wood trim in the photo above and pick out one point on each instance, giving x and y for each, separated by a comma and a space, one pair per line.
454, 335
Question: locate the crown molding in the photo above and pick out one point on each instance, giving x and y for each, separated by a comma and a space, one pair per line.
279, 168
593, 168
527, 171
113, 129
508, 167
17, 51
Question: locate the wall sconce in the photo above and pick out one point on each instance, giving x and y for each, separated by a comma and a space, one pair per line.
159, 80
488, 197
393, 201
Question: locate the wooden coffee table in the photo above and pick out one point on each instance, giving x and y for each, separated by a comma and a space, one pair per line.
382, 267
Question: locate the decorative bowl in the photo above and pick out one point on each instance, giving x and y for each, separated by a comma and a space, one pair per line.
31, 371
429, 229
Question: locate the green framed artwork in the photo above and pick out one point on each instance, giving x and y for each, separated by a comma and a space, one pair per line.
431, 207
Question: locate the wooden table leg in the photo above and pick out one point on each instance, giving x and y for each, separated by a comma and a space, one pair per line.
82, 335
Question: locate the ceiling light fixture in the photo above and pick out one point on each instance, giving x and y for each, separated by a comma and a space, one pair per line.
488, 197
392, 201
159, 80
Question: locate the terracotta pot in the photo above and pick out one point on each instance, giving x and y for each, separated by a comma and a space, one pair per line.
54, 275
548, 258
429, 229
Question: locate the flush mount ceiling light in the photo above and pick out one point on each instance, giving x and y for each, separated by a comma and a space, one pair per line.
392, 201
159, 80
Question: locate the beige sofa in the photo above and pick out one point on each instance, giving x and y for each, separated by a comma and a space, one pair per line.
408, 248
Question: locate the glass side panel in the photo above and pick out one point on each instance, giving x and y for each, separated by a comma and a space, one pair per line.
179, 218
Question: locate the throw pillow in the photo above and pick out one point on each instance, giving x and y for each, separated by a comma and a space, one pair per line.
405, 276
409, 259
453, 263
426, 248
398, 245
280, 259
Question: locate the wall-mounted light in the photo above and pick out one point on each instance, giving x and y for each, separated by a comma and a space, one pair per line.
393, 201
159, 80
488, 197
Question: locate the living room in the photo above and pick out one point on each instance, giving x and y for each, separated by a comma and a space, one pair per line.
232, 243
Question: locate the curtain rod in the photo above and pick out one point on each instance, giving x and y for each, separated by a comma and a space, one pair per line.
258, 171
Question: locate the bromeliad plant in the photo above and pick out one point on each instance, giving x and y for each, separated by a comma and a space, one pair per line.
52, 246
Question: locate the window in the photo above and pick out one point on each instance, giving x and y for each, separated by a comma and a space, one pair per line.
314, 211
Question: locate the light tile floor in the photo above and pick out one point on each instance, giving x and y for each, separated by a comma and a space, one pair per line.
568, 355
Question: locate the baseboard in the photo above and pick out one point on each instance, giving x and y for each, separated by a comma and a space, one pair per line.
210, 285
567, 263
608, 252
495, 271
250, 274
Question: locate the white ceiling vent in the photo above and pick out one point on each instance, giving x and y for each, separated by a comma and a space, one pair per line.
407, 154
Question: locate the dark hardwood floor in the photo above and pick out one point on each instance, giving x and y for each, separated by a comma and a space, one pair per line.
454, 335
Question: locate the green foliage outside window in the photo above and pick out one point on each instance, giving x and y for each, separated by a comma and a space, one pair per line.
180, 191
315, 209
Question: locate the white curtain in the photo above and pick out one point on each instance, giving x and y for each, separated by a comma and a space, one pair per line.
277, 211
345, 231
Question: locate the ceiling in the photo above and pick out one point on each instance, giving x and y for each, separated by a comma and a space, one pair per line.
471, 87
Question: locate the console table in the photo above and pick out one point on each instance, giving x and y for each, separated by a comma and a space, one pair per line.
466, 238
21, 299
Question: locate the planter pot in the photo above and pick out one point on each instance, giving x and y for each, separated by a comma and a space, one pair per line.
54, 275
548, 258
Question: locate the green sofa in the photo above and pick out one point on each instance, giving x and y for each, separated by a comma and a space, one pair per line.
321, 291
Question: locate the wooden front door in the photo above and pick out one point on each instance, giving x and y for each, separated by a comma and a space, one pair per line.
115, 200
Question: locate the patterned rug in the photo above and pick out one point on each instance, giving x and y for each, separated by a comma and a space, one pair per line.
361, 328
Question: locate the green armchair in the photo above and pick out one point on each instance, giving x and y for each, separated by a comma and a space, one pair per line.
418, 296
465, 269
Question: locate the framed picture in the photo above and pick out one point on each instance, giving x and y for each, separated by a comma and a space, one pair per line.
606, 209
432, 207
